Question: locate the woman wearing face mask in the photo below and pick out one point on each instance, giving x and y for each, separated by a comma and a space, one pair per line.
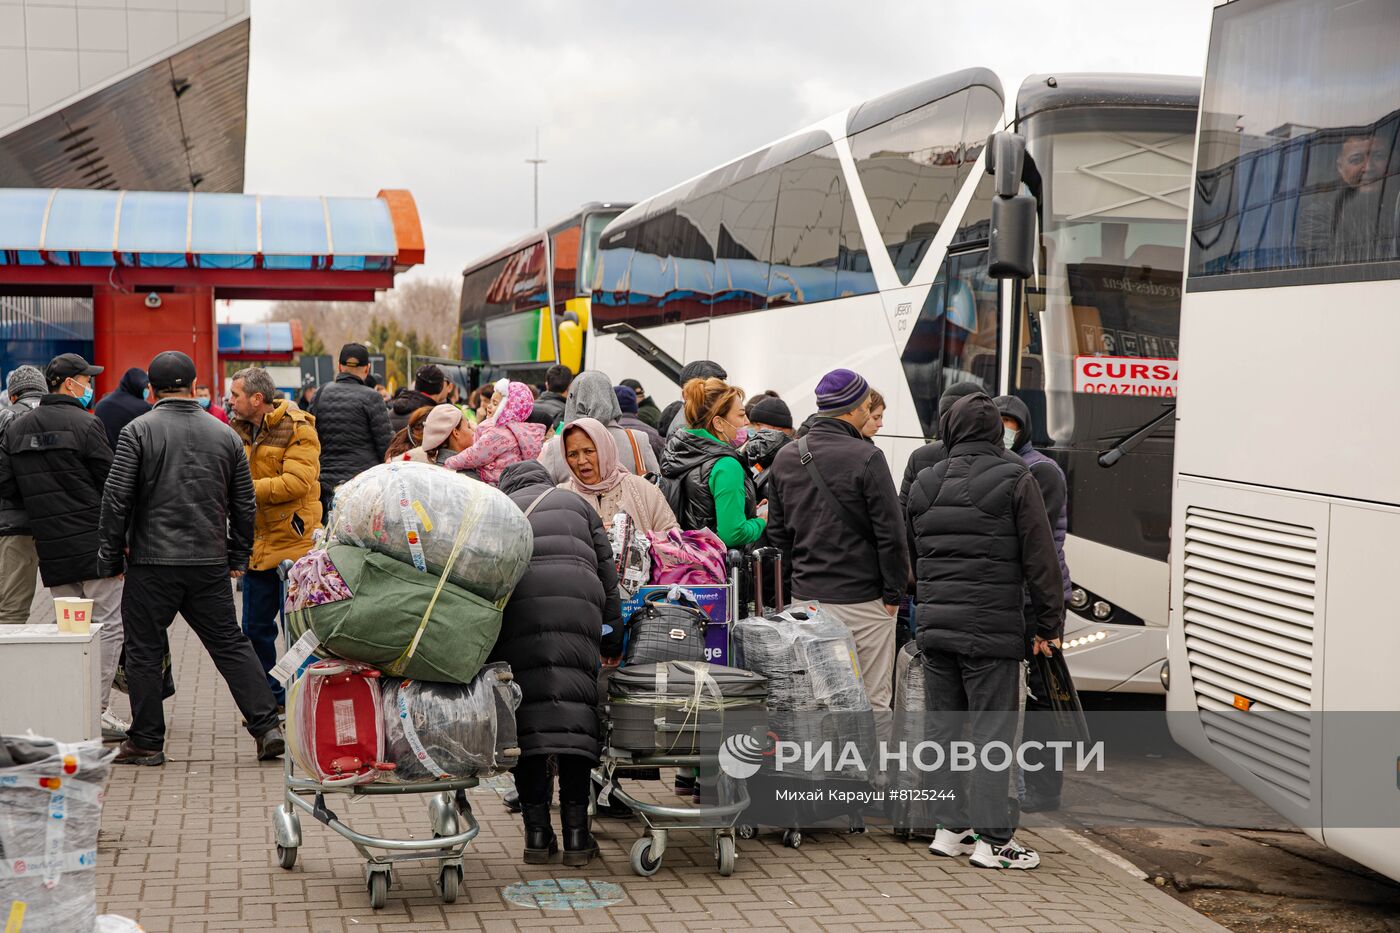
598, 476
704, 479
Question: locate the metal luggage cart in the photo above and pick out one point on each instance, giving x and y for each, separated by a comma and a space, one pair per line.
450, 816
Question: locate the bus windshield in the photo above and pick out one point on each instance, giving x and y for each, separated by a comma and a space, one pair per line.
1104, 318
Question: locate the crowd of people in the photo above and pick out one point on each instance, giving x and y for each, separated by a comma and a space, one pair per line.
149, 505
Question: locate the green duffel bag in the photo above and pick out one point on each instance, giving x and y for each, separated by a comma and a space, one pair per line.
380, 624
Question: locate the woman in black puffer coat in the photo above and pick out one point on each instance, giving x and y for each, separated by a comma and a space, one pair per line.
551, 636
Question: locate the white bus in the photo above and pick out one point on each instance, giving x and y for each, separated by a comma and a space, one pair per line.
1286, 495
862, 241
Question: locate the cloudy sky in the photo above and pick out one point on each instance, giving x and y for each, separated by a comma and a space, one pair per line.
443, 96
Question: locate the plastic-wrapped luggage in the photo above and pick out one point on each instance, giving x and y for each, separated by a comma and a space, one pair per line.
50, 811
431, 518
383, 623
335, 729
808, 657
678, 707
436, 731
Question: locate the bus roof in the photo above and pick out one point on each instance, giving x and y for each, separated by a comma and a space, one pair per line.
560, 223
1105, 89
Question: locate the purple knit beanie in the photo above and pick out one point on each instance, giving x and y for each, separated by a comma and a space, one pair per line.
841, 391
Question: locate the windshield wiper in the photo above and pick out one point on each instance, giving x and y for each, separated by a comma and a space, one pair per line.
1126, 446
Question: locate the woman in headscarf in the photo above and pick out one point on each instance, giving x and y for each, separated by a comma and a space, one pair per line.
445, 431
504, 438
591, 396
605, 484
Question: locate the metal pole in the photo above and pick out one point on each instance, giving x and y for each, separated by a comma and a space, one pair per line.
536, 162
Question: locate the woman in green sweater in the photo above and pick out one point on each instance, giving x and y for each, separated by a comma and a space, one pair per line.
701, 470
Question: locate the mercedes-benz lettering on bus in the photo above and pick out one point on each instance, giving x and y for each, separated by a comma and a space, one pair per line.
1287, 501
862, 242
526, 307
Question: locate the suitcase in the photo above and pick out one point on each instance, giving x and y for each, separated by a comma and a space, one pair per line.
678, 707
436, 731
335, 729
666, 629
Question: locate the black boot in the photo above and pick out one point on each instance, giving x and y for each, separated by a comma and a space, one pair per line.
579, 844
540, 844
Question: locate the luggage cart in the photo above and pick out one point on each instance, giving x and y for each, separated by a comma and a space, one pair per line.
450, 816
660, 821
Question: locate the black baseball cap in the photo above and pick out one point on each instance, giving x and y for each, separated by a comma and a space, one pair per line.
171, 370
354, 354
66, 365
430, 379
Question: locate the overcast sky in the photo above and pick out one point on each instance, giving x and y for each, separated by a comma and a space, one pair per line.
443, 98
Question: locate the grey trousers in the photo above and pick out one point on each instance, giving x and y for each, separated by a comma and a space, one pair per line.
19, 565
106, 596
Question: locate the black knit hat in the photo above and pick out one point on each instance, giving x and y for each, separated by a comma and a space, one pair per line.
773, 411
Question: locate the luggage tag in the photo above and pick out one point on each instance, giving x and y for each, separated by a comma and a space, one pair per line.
290, 663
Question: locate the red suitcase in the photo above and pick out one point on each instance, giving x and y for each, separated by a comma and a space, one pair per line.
335, 728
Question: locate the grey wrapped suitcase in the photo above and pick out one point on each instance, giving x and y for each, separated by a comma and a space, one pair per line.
678, 707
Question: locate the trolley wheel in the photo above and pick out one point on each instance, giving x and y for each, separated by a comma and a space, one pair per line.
450, 880
746, 831
378, 889
792, 838
724, 855
642, 863
286, 856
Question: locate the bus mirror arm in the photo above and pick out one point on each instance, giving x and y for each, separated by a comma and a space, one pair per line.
1126, 446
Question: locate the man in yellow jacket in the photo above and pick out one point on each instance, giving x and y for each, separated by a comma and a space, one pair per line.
284, 455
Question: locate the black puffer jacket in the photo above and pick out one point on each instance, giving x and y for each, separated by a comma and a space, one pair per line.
830, 560
685, 479
13, 519
553, 623
180, 493
405, 403
56, 462
760, 451
933, 452
353, 425
982, 540
117, 408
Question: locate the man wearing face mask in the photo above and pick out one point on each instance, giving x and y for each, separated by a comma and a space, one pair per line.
205, 399
834, 512
55, 463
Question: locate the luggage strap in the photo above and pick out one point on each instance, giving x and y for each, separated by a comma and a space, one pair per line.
410, 523
411, 734
846, 515
703, 683
636, 454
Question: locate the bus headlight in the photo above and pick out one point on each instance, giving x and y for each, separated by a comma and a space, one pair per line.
1082, 640
1166, 675
1078, 598
1102, 610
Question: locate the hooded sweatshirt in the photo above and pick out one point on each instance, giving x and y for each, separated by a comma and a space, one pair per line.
981, 541
591, 395
929, 454
1047, 473
123, 404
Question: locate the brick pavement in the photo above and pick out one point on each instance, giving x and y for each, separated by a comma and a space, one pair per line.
189, 847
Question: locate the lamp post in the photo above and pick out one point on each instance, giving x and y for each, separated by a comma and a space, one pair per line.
408, 362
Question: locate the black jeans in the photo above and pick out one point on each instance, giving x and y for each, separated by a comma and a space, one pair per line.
262, 608
536, 786
985, 693
151, 598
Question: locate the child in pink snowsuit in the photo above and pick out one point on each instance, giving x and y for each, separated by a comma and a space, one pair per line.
504, 438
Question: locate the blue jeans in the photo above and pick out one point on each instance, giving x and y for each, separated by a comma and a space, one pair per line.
262, 608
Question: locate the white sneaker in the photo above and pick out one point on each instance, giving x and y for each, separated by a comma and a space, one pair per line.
113, 726
952, 844
1011, 855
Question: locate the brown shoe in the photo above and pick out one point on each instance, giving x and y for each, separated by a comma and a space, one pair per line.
128, 754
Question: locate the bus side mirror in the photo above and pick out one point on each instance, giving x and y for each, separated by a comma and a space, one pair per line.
1011, 251
1006, 158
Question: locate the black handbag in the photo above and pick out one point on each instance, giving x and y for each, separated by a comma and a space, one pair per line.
665, 630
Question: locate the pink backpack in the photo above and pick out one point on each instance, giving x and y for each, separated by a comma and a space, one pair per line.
691, 558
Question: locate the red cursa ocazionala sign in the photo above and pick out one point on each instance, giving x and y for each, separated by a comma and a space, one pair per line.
1125, 375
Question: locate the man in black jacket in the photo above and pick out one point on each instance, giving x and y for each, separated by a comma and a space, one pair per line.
982, 541
832, 509
646, 405
19, 562
177, 516
430, 387
351, 422
55, 465
934, 451
549, 407
128, 400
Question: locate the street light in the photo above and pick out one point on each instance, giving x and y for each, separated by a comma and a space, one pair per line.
408, 360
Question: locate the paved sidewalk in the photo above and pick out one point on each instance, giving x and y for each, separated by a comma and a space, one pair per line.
188, 847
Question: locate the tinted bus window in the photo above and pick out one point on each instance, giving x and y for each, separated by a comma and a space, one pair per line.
807, 232
671, 271
745, 242
1298, 167
984, 108
564, 252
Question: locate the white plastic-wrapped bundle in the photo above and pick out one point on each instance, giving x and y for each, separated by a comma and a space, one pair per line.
808, 657
50, 811
437, 731
421, 514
